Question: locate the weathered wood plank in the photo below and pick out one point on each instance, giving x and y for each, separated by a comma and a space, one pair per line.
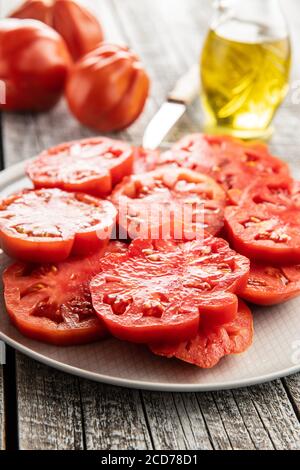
254, 424
175, 421
232, 421
226, 420
113, 418
259, 417
49, 408
214, 423
2, 431
292, 385
277, 414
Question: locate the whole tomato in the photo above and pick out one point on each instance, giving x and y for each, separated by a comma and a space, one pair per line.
34, 63
80, 28
107, 89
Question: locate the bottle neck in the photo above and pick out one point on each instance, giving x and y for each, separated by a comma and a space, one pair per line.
253, 20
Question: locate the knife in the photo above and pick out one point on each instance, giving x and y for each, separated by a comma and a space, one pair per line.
184, 93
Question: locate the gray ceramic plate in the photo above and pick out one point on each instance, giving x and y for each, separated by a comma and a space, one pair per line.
274, 353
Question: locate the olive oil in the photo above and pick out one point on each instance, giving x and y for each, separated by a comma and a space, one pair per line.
243, 81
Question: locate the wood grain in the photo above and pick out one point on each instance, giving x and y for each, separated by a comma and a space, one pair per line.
49, 408
113, 418
292, 386
276, 412
57, 411
175, 421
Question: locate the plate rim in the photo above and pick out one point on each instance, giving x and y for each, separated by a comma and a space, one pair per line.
144, 385
15, 173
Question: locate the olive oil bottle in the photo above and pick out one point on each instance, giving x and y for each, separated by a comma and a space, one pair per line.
245, 67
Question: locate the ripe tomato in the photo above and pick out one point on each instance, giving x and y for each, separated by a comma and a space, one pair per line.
34, 63
47, 225
164, 204
232, 163
271, 285
160, 290
91, 165
52, 302
265, 227
80, 29
211, 344
113, 88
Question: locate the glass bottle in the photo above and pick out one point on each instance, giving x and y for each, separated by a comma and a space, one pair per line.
245, 67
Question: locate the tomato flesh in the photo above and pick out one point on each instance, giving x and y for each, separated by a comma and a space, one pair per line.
92, 166
162, 204
272, 285
145, 160
160, 290
232, 163
266, 226
213, 343
49, 225
52, 302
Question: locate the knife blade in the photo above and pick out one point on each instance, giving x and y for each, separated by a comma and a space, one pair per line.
184, 93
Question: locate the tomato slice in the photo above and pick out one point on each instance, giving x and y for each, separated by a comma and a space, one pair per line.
52, 302
231, 162
272, 285
159, 290
163, 204
47, 225
211, 344
266, 226
92, 166
145, 160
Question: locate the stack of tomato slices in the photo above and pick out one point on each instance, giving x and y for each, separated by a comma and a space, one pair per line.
51, 302
174, 284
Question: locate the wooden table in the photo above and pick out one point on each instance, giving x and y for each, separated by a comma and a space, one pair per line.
41, 408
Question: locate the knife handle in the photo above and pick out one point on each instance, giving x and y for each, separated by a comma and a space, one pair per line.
187, 88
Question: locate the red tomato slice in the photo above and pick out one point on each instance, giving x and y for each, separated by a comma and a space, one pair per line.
145, 160
266, 226
92, 166
163, 204
211, 344
47, 225
271, 285
52, 302
160, 289
231, 162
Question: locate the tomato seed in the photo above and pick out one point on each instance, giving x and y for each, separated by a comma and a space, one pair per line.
254, 282
278, 274
154, 257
